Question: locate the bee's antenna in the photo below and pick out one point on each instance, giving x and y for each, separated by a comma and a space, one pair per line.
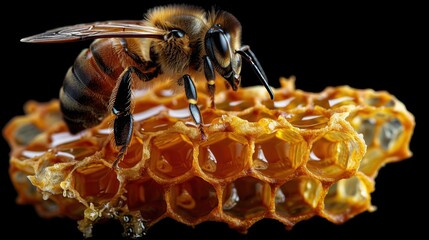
247, 54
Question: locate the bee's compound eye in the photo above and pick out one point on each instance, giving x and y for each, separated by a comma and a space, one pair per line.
217, 44
220, 43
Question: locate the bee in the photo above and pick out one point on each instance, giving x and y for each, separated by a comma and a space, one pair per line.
177, 43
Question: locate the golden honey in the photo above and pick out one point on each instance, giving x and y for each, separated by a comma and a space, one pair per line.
301, 155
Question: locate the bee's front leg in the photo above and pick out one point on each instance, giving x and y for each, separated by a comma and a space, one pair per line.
191, 95
209, 72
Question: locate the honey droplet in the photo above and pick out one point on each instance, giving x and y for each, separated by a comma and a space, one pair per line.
232, 200
163, 165
260, 162
210, 162
185, 200
279, 197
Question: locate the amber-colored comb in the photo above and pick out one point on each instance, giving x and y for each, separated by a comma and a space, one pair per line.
301, 155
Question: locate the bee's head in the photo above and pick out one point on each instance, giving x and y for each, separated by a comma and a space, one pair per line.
223, 47
221, 42
224, 58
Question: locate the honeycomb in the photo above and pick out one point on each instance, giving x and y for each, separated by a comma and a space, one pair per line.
302, 155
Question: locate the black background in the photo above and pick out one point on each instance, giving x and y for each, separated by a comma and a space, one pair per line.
364, 46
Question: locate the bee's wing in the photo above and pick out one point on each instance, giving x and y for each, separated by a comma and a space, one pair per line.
108, 29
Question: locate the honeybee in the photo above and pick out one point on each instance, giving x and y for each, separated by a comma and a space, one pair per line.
179, 43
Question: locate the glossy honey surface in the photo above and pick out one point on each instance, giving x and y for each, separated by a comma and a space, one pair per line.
301, 155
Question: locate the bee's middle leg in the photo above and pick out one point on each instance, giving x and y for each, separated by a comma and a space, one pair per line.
191, 95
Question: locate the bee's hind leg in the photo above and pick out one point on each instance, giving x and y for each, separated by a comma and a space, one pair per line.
191, 95
121, 108
121, 104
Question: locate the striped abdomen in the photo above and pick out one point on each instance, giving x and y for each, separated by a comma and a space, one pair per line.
88, 84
